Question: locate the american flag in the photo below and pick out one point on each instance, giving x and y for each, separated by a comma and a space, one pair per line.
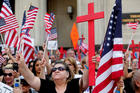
31, 16
9, 24
83, 47
11, 38
49, 18
133, 25
53, 34
25, 43
24, 31
7, 19
111, 63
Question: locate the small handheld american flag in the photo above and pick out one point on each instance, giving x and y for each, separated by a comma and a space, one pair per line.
133, 25
31, 17
49, 18
7, 19
53, 34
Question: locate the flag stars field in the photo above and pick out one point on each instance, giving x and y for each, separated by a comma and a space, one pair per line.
109, 39
110, 27
111, 21
109, 33
107, 44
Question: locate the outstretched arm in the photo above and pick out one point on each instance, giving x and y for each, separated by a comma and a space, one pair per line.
32, 80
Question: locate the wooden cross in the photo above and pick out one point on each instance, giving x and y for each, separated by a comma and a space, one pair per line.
91, 40
133, 46
82, 38
61, 52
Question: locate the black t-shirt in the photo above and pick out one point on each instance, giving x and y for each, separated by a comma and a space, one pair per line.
128, 84
48, 86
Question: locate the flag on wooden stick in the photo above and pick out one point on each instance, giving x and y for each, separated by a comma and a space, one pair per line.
49, 18
7, 19
111, 63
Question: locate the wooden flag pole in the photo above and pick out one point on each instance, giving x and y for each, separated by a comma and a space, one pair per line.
45, 45
22, 46
130, 41
51, 52
2, 39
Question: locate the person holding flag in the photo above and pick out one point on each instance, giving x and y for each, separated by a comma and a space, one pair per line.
62, 78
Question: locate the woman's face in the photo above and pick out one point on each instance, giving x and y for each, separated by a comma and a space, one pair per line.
37, 66
31, 66
40, 54
135, 64
70, 65
10, 61
8, 76
59, 72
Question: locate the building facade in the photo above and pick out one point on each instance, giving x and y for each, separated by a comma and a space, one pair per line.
64, 21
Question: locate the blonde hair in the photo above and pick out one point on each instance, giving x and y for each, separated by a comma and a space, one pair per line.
73, 62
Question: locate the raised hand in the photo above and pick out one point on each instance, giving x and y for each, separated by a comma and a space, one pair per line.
20, 59
43, 62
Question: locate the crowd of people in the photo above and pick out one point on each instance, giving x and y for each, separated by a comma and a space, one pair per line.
50, 74
45, 73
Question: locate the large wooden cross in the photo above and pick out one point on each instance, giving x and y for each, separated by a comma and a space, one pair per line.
91, 40
133, 46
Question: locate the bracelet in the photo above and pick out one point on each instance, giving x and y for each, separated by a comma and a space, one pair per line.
117, 91
86, 67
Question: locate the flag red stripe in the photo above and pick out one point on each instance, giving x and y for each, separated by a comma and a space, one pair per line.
103, 84
118, 47
6, 8
116, 74
7, 39
13, 35
117, 60
16, 42
30, 57
104, 67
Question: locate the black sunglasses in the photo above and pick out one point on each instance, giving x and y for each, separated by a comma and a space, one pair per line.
9, 74
59, 68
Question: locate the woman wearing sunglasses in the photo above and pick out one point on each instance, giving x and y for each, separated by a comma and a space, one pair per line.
61, 78
8, 77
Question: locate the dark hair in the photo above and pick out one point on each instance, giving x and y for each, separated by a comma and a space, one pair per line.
32, 61
4, 54
33, 70
24, 83
1, 72
71, 75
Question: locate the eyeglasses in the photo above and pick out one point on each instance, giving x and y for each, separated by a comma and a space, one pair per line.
9, 74
59, 68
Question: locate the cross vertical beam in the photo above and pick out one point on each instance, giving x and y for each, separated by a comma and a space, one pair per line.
91, 39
